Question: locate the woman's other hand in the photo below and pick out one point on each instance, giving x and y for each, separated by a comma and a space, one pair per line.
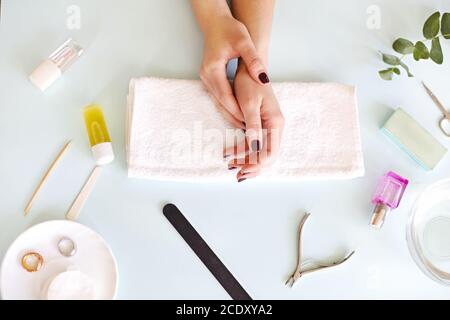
264, 126
226, 38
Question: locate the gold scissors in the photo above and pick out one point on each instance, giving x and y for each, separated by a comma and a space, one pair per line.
446, 114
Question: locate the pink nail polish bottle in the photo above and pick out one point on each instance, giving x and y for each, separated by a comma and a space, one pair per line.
388, 195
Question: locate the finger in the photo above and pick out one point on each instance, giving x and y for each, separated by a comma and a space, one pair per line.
273, 130
254, 64
252, 118
238, 149
237, 163
230, 118
271, 146
243, 177
250, 159
250, 168
220, 87
225, 113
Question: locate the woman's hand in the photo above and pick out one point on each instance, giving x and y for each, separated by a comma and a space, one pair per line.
264, 126
252, 106
226, 38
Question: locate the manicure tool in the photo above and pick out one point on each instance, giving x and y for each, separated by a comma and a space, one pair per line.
52, 68
45, 177
205, 253
445, 113
82, 197
99, 137
413, 139
309, 266
102, 151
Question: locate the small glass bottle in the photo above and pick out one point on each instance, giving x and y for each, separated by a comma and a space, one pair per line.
99, 138
59, 61
388, 195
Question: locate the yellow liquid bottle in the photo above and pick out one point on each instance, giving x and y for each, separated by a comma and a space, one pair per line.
99, 138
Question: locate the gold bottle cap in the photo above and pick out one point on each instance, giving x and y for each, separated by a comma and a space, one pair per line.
378, 215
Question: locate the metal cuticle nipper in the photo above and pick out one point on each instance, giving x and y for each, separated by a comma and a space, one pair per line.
309, 266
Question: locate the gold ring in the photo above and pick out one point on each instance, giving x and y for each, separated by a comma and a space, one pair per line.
32, 261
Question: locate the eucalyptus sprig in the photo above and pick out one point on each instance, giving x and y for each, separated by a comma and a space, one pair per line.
435, 28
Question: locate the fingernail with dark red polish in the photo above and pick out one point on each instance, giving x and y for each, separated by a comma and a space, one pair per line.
255, 145
264, 78
232, 168
240, 180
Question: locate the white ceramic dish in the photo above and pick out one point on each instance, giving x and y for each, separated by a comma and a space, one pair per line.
93, 257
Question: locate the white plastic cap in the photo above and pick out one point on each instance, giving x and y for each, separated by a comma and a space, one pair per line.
103, 153
44, 75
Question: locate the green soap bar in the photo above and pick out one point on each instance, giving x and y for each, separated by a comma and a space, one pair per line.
412, 138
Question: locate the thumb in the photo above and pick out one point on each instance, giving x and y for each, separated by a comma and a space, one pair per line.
254, 64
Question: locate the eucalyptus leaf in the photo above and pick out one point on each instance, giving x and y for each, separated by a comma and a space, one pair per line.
437, 26
421, 51
391, 59
406, 68
432, 26
436, 51
445, 25
403, 46
386, 74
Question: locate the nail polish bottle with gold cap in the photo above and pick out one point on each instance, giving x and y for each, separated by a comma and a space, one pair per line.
387, 196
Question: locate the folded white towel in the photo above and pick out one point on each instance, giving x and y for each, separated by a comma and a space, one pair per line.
175, 132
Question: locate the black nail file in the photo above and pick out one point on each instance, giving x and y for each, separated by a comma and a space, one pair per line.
204, 252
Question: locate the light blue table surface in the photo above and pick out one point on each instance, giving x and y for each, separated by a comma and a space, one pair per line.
251, 226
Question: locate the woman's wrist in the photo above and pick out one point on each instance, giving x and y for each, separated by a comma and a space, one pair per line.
209, 12
257, 16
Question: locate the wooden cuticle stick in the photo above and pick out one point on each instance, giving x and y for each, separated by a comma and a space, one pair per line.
45, 177
83, 195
